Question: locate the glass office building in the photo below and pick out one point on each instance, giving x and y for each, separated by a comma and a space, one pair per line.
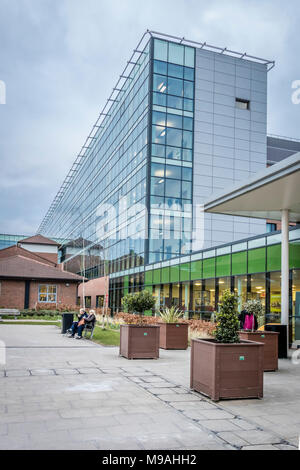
185, 120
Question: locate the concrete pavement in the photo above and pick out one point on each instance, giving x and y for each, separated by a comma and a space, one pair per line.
61, 393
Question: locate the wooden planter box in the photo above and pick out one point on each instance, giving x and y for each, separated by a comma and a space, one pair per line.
139, 342
227, 370
270, 340
173, 335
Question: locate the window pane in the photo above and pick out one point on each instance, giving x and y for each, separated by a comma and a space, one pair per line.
175, 86
187, 140
43, 288
52, 289
158, 201
188, 123
175, 70
189, 55
159, 99
51, 297
186, 173
188, 89
158, 170
172, 188
187, 155
157, 186
158, 150
158, 134
188, 105
174, 153
173, 120
160, 50
160, 67
176, 52
158, 118
174, 203
173, 171
159, 83
186, 190
175, 102
174, 137
188, 73
42, 297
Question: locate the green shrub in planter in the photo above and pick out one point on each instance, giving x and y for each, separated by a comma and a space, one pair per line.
228, 325
138, 302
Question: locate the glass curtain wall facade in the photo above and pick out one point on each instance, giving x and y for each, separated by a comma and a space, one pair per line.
170, 221
102, 214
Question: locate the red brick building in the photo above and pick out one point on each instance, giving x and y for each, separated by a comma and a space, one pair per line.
28, 279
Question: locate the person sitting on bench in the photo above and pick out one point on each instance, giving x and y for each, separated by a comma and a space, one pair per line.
78, 326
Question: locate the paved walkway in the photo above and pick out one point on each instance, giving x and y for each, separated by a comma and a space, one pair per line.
60, 393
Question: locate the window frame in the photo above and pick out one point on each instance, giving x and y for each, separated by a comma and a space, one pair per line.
47, 301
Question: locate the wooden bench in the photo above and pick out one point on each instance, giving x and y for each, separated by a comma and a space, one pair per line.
89, 327
9, 311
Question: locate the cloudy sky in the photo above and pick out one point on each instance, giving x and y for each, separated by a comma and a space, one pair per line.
60, 59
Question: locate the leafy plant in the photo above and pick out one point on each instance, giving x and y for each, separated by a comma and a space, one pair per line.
228, 325
171, 315
138, 302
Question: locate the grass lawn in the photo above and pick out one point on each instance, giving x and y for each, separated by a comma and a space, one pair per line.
106, 337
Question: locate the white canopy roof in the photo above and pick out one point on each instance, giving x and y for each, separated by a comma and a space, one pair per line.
264, 195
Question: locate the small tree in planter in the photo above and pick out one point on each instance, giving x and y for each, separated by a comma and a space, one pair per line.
225, 366
173, 332
139, 341
228, 325
268, 338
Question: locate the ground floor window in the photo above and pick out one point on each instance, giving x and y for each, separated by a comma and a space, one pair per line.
99, 301
88, 301
78, 301
47, 293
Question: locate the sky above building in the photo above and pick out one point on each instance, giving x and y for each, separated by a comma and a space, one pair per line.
61, 58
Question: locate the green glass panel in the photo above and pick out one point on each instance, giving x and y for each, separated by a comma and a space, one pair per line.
239, 263
196, 270
209, 267
148, 288
174, 273
125, 290
295, 254
223, 265
257, 260
274, 258
185, 272
156, 276
165, 275
148, 277
148, 313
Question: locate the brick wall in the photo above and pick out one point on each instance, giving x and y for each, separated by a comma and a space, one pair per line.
12, 293
92, 288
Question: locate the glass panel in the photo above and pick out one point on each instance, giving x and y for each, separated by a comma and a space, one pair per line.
158, 150
176, 53
174, 137
175, 87
187, 140
258, 288
208, 299
224, 284
43, 289
159, 83
189, 56
187, 155
175, 102
189, 73
158, 135
187, 174
188, 123
157, 170
173, 120
173, 188
160, 50
240, 289
296, 305
188, 89
159, 99
188, 105
160, 67
157, 186
186, 190
275, 298
173, 171
175, 70
158, 118
173, 153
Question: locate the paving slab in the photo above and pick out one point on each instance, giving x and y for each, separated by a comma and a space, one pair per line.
57, 390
